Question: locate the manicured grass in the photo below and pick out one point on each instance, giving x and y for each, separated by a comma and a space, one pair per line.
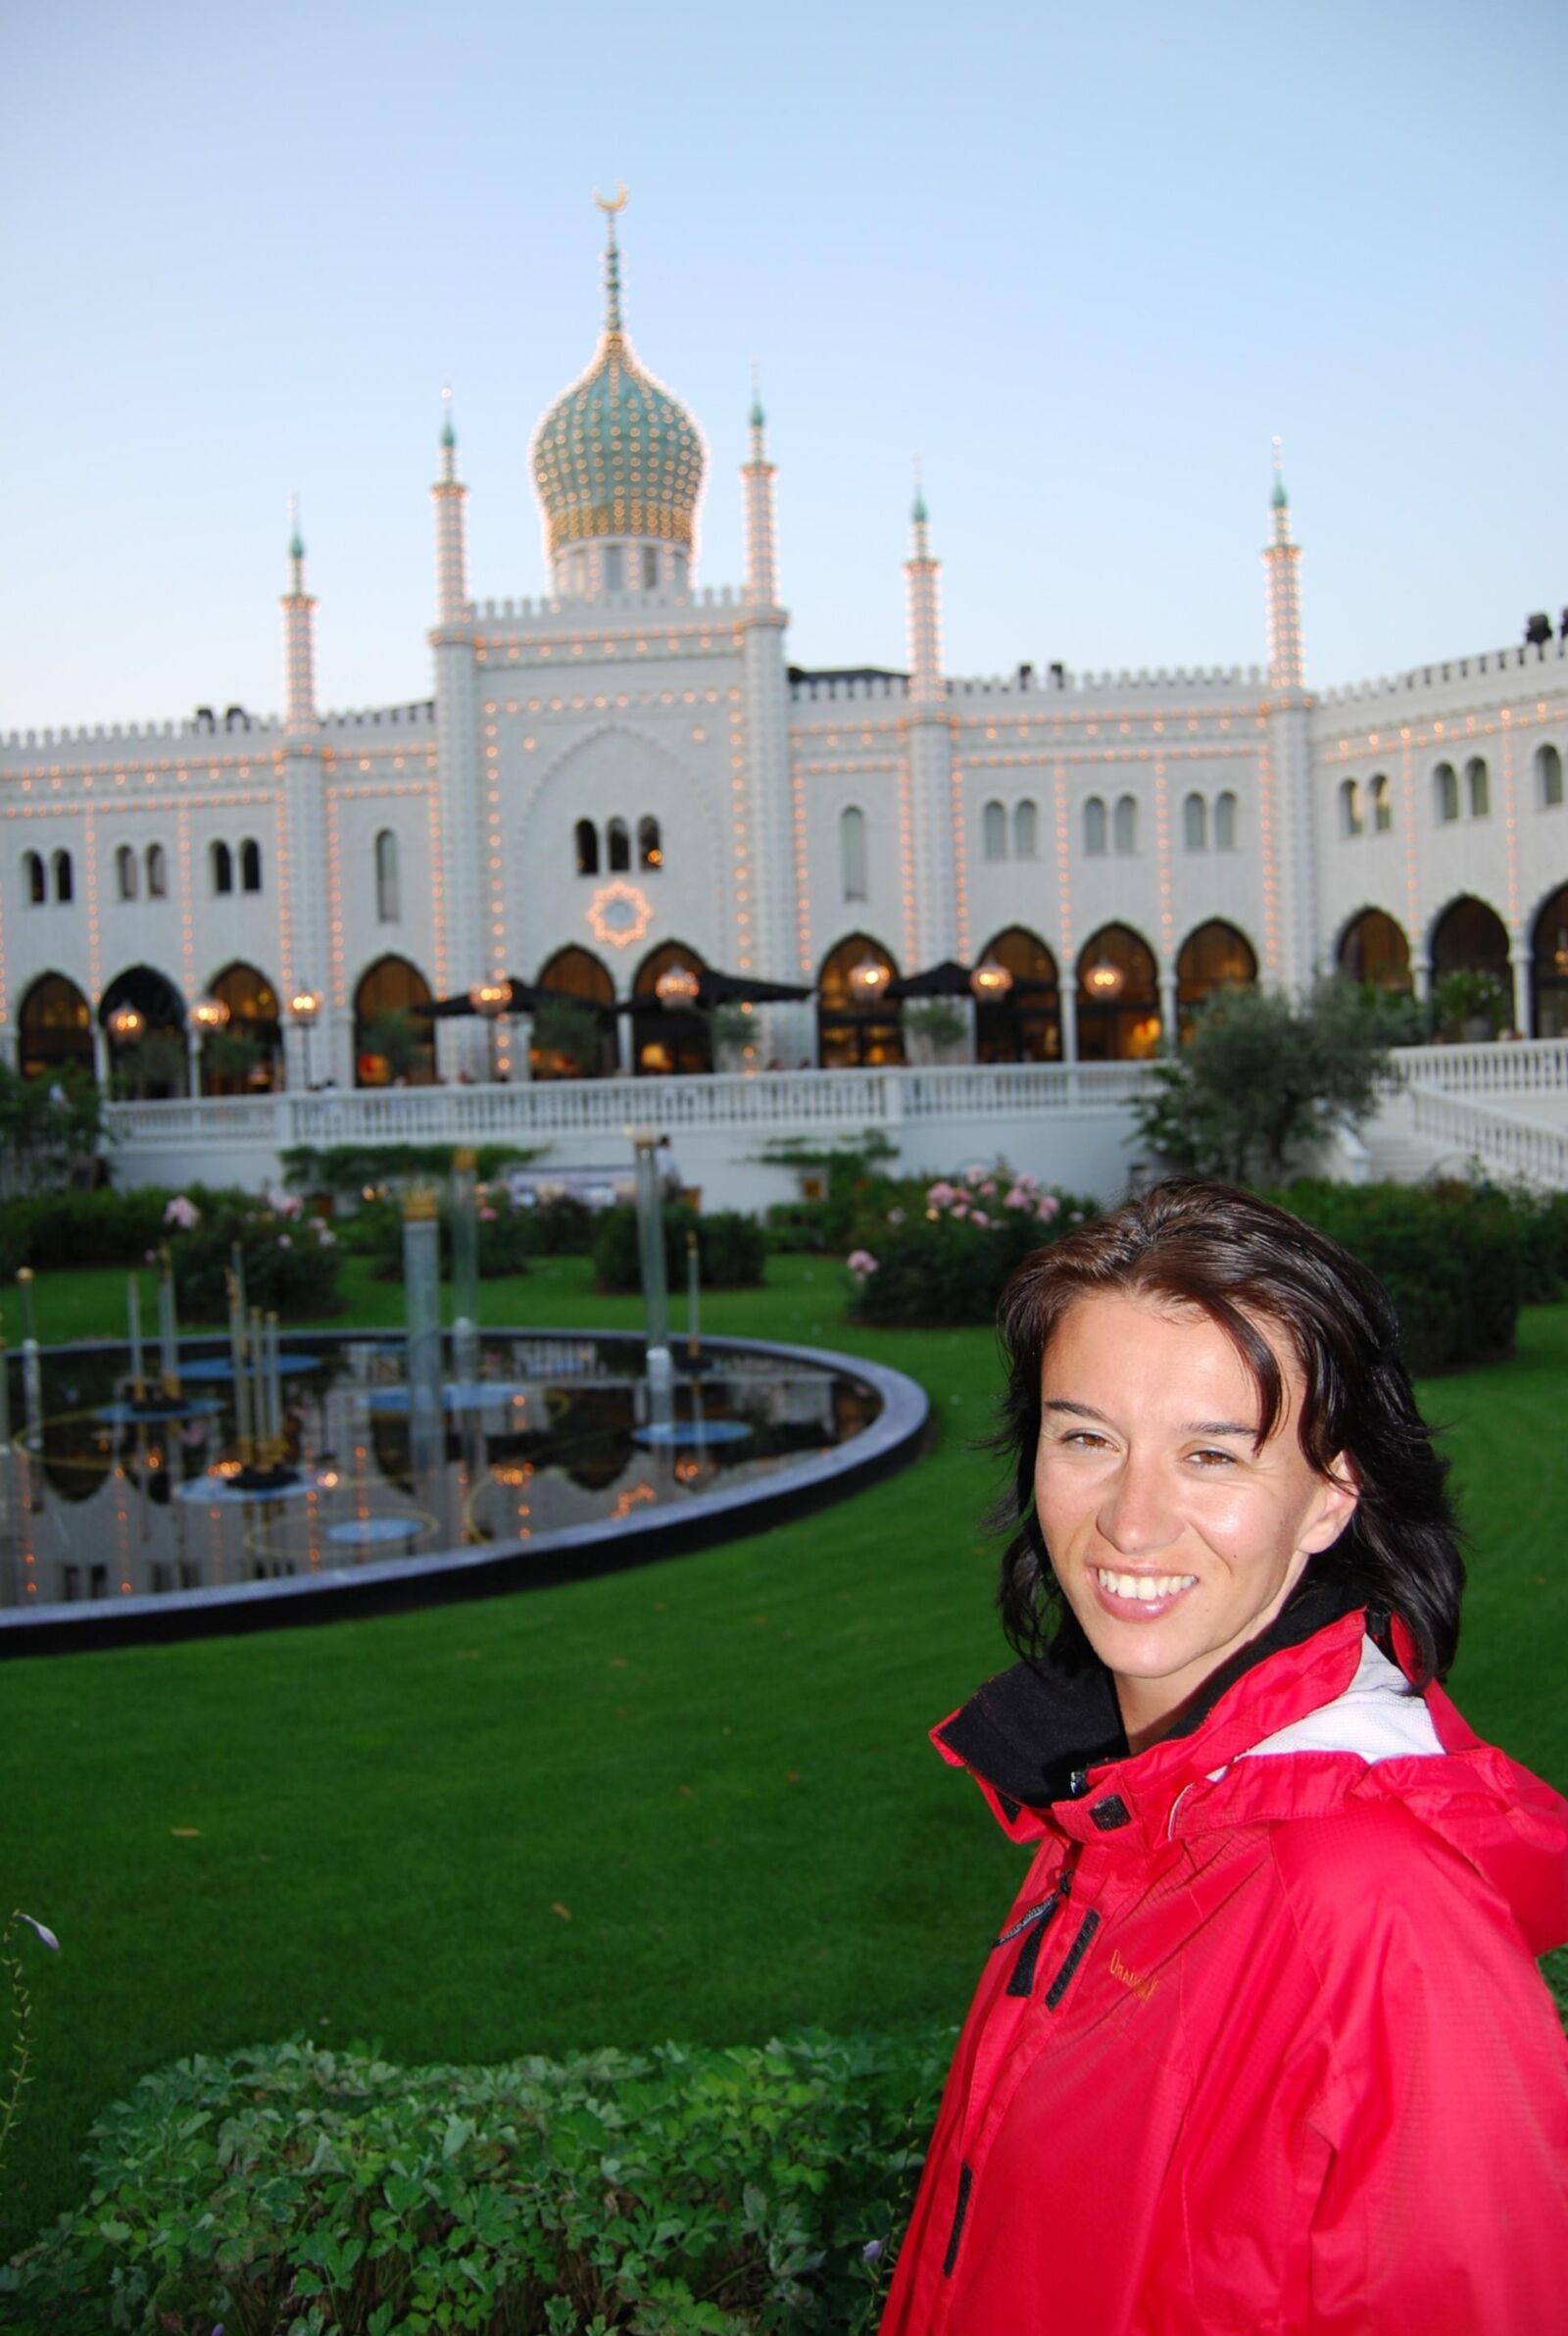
694, 1800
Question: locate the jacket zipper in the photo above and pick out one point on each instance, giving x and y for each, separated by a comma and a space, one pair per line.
1033, 1924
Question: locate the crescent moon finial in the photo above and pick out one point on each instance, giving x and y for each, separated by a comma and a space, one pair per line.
611, 204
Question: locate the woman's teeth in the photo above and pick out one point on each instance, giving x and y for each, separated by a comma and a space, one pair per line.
1145, 1587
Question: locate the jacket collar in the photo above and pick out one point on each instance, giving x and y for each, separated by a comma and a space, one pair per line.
1047, 1734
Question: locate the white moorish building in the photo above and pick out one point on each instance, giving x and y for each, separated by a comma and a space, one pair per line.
631, 776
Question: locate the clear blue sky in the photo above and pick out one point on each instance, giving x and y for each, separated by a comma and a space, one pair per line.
1084, 261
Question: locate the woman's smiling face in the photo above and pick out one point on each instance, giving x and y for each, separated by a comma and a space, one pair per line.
1176, 1539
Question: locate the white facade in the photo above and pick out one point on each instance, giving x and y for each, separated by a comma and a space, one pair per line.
632, 765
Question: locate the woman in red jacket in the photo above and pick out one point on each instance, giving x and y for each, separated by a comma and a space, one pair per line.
1261, 2046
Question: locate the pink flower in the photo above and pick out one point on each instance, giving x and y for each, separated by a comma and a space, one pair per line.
973, 1176
960, 1207
1017, 1197
988, 1190
487, 1217
861, 1262
979, 1216
1048, 1206
940, 1194
182, 1211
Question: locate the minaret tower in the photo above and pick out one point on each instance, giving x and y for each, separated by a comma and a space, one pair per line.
935, 919
768, 945
461, 923
1290, 860
305, 950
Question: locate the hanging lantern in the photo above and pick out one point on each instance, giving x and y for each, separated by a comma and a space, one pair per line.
209, 1014
1105, 980
490, 998
305, 1006
677, 986
127, 1024
868, 979
991, 982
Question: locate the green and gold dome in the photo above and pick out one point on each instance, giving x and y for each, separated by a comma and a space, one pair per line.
617, 456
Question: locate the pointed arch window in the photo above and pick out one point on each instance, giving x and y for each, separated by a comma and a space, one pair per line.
1478, 785
1095, 828
620, 841
851, 851
994, 831
1382, 803
33, 879
1194, 824
1025, 831
587, 840
157, 866
650, 569
1548, 777
125, 882
614, 568
388, 904
649, 850
1126, 825
64, 878
1225, 821
221, 860
1445, 793
1351, 822
250, 865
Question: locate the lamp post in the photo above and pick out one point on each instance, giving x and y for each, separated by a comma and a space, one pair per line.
490, 998
304, 1006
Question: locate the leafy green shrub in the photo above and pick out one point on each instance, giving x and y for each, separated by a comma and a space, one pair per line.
292, 1261
853, 1177
357, 1168
945, 1258
682, 2192
1451, 1256
52, 1229
561, 1226
798, 1228
731, 1249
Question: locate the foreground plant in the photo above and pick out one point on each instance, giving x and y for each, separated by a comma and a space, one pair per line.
20, 2071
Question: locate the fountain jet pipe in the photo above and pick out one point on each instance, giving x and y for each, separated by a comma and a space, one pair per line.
167, 1336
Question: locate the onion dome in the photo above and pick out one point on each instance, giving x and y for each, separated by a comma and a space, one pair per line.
617, 454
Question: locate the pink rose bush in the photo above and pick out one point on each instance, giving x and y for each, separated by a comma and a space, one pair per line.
945, 1258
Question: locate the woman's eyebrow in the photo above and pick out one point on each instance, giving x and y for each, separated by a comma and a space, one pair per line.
1189, 1427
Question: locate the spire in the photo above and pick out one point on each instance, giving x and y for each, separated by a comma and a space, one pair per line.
1281, 564
762, 581
296, 545
1280, 500
451, 551
758, 419
299, 632
926, 625
920, 516
610, 206
449, 438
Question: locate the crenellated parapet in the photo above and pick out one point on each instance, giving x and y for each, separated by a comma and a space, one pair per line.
1508, 669
204, 723
848, 690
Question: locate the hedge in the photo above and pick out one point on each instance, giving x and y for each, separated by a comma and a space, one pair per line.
50, 1229
681, 2192
731, 1249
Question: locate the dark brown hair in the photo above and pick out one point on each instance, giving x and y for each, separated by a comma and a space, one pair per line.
1245, 1263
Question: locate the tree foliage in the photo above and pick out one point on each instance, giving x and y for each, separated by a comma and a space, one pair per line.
1263, 1075
51, 1130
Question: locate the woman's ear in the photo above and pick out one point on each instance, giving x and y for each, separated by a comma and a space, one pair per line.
1339, 1492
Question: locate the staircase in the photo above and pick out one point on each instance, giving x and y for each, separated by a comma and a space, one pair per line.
1501, 1109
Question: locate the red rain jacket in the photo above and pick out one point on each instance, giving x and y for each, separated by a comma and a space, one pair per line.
1261, 2046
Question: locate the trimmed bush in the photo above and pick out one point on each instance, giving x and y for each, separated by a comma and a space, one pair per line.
51, 1229
1453, 1257
731, 1249
290, 1260
942, 1256
561, 1226
681, 2192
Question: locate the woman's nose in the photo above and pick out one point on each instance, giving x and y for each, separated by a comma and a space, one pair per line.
1137, 1512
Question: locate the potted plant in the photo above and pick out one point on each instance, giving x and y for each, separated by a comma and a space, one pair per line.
936, 1029
1470, 1003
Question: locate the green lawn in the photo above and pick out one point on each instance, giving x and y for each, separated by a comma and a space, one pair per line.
694, 1800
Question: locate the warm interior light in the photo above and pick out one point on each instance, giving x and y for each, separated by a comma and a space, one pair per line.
490, 998
678, 986
1105, 980
127, 1024
305, 1006
991, 980
868, 979
209, 1014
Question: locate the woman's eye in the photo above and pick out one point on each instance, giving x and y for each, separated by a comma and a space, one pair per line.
1214, 1460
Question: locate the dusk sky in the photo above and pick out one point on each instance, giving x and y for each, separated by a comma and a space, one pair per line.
1083, 262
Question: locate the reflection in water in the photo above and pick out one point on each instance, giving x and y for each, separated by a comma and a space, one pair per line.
105, 1503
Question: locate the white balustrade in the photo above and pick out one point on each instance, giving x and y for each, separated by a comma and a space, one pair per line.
1504, 1144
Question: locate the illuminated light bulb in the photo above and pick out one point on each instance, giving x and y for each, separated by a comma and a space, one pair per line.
209, 1014
991, 979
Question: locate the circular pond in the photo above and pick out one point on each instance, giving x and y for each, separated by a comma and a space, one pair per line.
548, 1459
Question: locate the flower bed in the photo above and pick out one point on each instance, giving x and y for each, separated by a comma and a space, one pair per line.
941, 1254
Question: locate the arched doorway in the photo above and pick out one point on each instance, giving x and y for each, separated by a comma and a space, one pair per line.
1548, 967
1024, 1026
55, 1028
1214, 956
149, 1063
244, 1056
1118, 997
1373, 950
1472, 936
393, 1046
851, 1035
668, 1040
574, 1031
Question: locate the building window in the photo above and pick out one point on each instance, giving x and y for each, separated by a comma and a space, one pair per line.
587, 835
125, 883
851, 852
1445, 793
1548, 777
650, 569
614, 568
157, 872
1194, 824
577, 575
678, 562
1025, 831
250, 864
388, 908
1351, 819
1095, 828
650, 851
223, 863
1125, 827
620, 841
1225, 821
1382, 804
32, 877
65, 880
1478, 785
994, 831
